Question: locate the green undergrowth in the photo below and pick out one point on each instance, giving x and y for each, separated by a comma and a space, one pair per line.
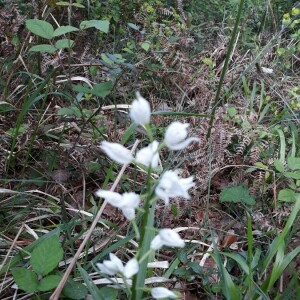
67, 80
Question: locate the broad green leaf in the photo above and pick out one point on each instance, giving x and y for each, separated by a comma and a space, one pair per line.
62, 3
109, 292
46, 256
182, 256
21, 129
81, 89
40, 28
102, 89
43, 48
232, 111
75, 4
279, 166
106, 59
26, 280
102, 25
74, 290
14, 260
294, 175
236, 194
287, 195
195, 267
294, 163
69, 111
280, 51
63, 30
64, 43
146, 46
48, 283
134, 26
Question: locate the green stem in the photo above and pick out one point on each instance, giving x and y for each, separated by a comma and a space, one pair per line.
145, 255
149, 132
224, 70
136, 230
144, 245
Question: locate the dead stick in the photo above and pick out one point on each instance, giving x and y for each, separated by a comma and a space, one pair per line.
56, 293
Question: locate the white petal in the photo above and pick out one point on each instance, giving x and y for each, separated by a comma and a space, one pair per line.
115, 199
149, 156
183, 144
131, 268
171, 185
155, 159
144, 156
160, 192
129, 213
117, 261
161, 292
105, 270
130, 200
171, 238
156, 243
117, 152
187, 183
140, 111
176, 134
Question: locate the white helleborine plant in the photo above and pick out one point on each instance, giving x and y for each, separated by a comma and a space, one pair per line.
171, 185
167, 237
161, 292
176, 136
149, 155
115, 265
117, 152
127, 202
140, 111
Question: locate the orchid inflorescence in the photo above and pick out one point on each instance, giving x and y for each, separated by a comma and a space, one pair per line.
169, 185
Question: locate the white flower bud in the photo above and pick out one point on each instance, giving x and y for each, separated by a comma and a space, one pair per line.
161, 292
148, 156
140, 111
176, 136
167, 237
117, 152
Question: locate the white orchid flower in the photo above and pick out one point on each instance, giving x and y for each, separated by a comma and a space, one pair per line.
127, 202
117, 152
140, 111
171, 185
112, 266
161, 292
176, 136
115, 265
149, 155
131, 268
167, 237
